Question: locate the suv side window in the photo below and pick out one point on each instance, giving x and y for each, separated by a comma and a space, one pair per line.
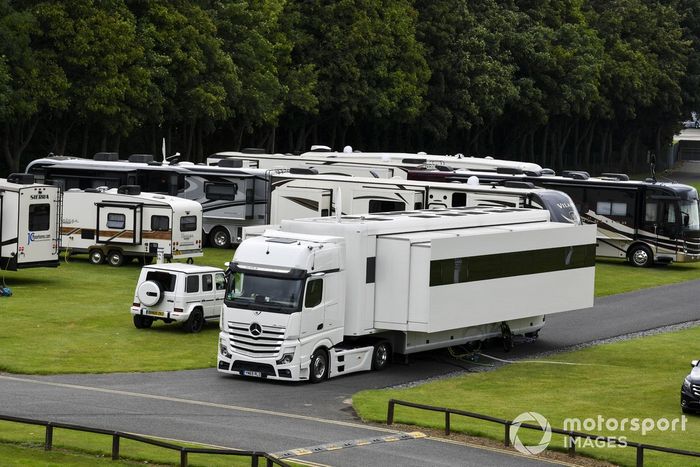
165, 279
220, 281
207, 283
314, 293
192, 284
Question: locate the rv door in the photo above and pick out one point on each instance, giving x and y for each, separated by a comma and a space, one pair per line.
119, 223
297, 203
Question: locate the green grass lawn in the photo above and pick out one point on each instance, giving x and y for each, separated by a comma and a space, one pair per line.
75, 319
636, 378
23, 445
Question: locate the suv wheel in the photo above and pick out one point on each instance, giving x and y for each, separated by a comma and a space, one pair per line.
195, 322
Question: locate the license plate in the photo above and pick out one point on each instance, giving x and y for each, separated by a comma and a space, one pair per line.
155, 313
256, 374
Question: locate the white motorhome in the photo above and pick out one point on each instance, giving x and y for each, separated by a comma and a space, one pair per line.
121, 224
231, 198
323, 297
30, 216
391, 164
300, 196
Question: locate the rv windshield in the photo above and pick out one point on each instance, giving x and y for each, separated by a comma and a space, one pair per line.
690, 214
560, 206
264, 293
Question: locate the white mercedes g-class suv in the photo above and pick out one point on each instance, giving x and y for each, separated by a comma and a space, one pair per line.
178, 292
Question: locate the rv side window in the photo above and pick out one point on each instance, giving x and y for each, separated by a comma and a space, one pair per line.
165, 279
207, 283
220, 281
116, 221
188, 223
192, 284
39, 217
314, 293
220, 191
160, 223
378, 205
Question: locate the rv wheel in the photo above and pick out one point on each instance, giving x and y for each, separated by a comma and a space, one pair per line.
640, 256
142, 322
195, 322
319, 366
115, 258
381, 356
96, 257
219, 237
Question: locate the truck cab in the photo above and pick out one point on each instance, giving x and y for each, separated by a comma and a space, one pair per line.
280, 314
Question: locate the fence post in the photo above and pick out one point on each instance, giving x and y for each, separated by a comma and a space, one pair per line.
506, 440
48, 441
390, 413
640, 455
572, 444
254, 460
447, 422
183, 457
115, 447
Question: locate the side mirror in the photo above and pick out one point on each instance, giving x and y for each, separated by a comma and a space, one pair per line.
694, 363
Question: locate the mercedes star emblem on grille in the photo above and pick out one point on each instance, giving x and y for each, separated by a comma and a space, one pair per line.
255, 329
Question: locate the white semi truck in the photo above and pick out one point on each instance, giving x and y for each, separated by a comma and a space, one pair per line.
324, 297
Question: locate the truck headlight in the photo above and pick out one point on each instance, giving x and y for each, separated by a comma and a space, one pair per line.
686, 383
223, 348
287, 357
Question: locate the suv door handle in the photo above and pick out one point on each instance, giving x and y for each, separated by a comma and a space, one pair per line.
319, 327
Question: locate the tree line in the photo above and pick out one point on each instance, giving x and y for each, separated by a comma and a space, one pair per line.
595, 84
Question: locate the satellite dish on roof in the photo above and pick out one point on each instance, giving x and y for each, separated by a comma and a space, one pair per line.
347, 149
473, 181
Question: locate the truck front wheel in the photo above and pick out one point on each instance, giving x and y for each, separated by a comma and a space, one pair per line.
381, 356
319, 366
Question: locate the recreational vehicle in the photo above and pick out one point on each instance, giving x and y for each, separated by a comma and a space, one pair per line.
231, 198
642, 221
30, 216
119, 224
326, 161
324, 297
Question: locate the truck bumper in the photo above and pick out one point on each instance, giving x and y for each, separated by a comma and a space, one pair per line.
231, 362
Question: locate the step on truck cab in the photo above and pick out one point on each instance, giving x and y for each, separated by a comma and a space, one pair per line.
323, 297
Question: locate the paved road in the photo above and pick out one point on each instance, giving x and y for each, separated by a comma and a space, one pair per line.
235, 412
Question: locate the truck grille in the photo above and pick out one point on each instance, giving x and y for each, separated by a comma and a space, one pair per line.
255, 340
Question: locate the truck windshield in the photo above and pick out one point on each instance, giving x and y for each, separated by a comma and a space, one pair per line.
690, 214
265, 293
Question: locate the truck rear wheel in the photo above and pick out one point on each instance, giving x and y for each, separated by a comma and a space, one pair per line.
142, 322
319, 366
381, 355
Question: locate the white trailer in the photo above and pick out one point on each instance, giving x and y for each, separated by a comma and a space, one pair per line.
324, 297
29, 223
121, 224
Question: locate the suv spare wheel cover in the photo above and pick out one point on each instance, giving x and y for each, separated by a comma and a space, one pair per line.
149, 293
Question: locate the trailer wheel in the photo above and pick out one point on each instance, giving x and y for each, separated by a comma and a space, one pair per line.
219, 237
195, 322
319, 366
142, 322
96, 256
115, 258
381, 355
640, 256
